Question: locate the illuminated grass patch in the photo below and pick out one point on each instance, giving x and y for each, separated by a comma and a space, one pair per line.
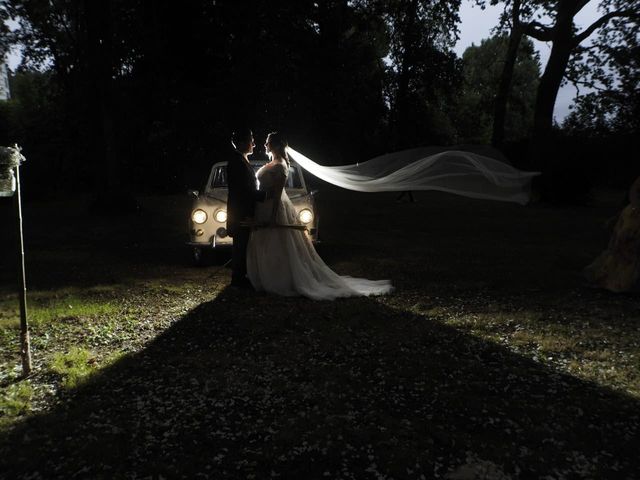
46, 308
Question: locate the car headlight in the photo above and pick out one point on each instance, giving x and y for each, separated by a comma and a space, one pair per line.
199, 216
220, 216
305, 216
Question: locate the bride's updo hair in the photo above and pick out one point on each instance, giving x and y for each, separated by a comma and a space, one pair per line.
279, 146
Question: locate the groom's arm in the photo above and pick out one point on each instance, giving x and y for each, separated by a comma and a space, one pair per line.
233, 174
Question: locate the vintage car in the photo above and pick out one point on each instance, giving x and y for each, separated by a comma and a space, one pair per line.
208, 219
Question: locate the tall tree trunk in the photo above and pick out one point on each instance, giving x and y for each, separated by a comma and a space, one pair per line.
562, 46
401, 104
545, 152
502, 97
549, 85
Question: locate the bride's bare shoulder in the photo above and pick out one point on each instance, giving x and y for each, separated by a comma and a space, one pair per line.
278, 166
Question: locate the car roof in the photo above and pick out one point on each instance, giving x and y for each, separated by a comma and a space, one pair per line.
252, 162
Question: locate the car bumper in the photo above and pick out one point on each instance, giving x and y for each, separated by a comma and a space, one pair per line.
214, 242
217, 241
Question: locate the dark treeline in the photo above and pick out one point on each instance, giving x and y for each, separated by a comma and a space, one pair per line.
125, 96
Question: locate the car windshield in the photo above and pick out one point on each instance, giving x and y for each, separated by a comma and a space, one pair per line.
219, 179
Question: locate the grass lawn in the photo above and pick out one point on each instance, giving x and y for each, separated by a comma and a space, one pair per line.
491, 359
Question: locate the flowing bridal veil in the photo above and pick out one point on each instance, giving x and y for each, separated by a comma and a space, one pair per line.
455, 171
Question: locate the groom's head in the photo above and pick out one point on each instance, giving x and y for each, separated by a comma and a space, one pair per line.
242, 140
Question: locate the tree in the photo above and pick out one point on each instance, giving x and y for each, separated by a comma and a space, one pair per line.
606, 121
482, 70
610, 66
349, 69
565, 40
424, 73
5, 33
516, 32
150, 91
73, 40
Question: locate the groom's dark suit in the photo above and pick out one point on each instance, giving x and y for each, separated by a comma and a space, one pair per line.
241, 202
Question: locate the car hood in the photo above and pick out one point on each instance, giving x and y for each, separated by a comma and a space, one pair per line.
212, 200
219, 196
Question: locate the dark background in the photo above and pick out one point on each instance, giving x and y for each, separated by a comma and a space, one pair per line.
120, 98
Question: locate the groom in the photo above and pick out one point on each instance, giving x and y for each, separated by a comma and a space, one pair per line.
243, 193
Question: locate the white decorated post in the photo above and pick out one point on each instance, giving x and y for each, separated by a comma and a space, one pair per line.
10, 161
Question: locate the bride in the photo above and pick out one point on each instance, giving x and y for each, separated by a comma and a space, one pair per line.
282, 260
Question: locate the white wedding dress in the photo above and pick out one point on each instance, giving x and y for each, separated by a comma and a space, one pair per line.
283, 261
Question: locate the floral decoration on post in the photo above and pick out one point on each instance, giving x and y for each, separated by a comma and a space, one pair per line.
10, 158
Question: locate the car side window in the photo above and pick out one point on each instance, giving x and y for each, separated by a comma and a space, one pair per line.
293, 180
220, 177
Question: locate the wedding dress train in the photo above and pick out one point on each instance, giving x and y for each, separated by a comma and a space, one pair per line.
284, 261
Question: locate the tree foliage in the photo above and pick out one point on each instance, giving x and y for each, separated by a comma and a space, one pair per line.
5, 32
424, 73
482, 70
610, 67
566, 40
153, 90
143, 94
178, 79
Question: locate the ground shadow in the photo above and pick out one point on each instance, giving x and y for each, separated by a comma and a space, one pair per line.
256, 386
